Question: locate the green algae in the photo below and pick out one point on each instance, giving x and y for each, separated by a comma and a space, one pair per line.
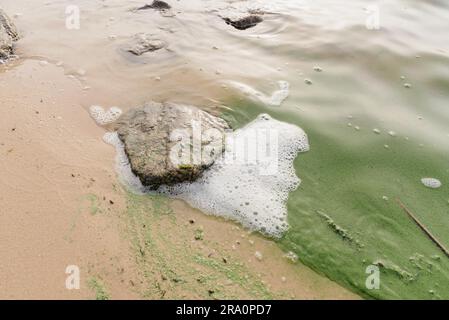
99, 288
343, 233
171, 267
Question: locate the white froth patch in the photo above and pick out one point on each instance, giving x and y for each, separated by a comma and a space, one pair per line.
245, 191
431, 183
275, 99
103, 117
122, 165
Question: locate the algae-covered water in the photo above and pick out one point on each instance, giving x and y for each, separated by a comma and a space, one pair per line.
346, 216
352, 179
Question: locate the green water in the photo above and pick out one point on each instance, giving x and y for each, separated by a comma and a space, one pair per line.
345, 215
346, 176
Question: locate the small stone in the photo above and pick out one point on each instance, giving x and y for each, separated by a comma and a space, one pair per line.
392, 133
244, 23
156, 5
143, 43
258, 255
291, 256
317, 69
376, 131
407, 85
385, 198
308, 82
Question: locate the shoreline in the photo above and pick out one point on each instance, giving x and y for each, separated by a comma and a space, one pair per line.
68, 207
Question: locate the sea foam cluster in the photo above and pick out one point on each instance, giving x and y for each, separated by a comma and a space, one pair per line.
103, 117
276, 98
431, 183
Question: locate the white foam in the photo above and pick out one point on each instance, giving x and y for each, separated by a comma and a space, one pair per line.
103, 117
235, 187
275, 99
431, 183
122, 166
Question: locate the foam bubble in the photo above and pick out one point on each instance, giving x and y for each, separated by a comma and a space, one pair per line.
103, 117
275, 99
235, 187
431, 183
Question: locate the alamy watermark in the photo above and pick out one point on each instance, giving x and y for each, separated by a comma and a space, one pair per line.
258, 147
373, 20
72, 282
72, 20
373, 280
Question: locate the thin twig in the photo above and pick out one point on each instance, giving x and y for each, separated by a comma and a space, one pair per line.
423, 228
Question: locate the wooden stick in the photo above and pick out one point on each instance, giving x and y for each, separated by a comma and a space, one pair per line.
423, 228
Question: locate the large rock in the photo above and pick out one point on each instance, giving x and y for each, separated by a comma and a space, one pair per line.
170, 143
8, 34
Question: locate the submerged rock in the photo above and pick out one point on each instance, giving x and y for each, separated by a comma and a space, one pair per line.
8, 35
244, 23
156, 5
143, 43
170, 143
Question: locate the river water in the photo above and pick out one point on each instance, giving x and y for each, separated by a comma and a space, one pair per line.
353, 66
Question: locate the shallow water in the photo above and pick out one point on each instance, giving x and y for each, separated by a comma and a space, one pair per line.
351, 174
